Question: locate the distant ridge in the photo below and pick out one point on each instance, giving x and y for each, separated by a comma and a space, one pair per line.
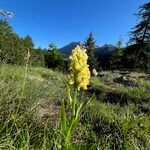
106, 49
68, 48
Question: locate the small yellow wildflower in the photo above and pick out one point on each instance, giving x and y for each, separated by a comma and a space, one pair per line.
80, 73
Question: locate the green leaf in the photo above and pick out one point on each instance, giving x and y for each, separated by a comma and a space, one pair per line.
63, 117
79, 110
74, 125
82, 107
68, 94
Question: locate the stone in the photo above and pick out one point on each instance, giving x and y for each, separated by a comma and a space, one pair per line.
94, 72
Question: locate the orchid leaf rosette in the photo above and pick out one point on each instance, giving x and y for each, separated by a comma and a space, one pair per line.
79, 78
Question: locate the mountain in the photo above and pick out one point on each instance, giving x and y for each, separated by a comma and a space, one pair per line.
68, 48
104, 50
104, 54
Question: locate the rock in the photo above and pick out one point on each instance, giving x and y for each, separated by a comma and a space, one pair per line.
55, 78
94, 72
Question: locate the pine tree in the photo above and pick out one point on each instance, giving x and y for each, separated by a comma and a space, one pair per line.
5, 28
137, 55
52, 47
116, 59
141, 32
39, 55
28, 42
54, 59
90, 47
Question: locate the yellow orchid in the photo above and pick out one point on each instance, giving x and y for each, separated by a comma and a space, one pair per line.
80, 76
80, 73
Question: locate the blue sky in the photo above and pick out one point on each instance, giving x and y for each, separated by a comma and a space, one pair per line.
64, 21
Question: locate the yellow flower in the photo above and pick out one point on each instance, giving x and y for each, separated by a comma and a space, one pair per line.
80, 73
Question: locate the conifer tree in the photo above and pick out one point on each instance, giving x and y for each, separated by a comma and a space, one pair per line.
90, 47
28, 42
137, 55
116, 59
141, 32
53, 58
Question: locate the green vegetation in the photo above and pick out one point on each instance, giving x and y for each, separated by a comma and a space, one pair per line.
33, 126
137, 55
13, 49
90, 47
117, 117
140, 33
116, 57
34, 113
54, 59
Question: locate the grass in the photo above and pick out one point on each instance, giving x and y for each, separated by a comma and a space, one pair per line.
117, 117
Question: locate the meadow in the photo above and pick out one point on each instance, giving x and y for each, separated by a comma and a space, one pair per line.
118, 116
84, 95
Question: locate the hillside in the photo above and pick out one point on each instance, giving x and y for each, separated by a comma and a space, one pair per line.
117, 117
